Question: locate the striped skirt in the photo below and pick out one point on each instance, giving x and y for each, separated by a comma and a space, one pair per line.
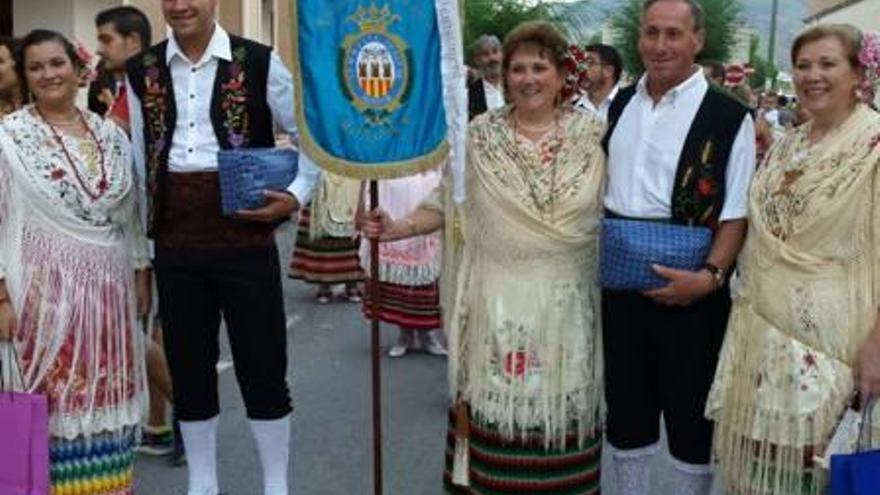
415, 307
524, 466
328, 260
100, 465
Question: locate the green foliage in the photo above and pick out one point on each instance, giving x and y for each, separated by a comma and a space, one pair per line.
722, 20
763, 69
498, 17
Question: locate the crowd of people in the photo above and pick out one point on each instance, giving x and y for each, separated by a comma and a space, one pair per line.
748, 359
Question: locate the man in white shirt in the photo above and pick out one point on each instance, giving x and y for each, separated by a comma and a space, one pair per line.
680, 151
603, 69
198, 92
486, 92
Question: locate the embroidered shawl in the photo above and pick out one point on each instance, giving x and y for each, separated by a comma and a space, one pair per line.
807, 297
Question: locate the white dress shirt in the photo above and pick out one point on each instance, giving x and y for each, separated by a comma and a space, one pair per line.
194, 146
645, 148
494, 95
601, 111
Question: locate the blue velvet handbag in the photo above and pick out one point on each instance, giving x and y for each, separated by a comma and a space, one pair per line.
628, 248
858, 473
246, 172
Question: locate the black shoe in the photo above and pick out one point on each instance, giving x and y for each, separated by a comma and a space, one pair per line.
178, 454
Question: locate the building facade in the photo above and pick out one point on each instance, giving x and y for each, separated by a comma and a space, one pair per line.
864, 14
262, 20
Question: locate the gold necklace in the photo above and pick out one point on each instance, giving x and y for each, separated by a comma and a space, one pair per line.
533, 188
536, 130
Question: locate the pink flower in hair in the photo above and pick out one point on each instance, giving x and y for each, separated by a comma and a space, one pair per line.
85, 57
869, 58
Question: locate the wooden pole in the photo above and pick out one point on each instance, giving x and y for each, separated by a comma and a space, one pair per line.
375, 296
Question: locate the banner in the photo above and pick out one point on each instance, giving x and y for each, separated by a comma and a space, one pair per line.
369, 88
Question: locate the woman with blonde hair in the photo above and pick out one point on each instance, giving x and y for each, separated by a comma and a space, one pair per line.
804, 333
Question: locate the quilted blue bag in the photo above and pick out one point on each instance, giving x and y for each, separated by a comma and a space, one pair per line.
629, 247
246, 172
858, 473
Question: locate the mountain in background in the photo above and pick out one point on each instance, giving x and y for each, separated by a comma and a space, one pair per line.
586, 17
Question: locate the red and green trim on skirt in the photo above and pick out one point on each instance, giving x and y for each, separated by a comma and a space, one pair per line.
328, 260
524, 466
412, 307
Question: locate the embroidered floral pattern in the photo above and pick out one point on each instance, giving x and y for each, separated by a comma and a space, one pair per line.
536, 172
696, 199
785, 186
155, 104
234, 101
48, 167
516, 363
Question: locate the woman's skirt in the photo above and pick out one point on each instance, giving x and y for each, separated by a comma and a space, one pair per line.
80, 347
327, 260
412, 307
497, 466
102, 464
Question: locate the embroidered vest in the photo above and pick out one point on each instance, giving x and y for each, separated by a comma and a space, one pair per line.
700, 179
240, 114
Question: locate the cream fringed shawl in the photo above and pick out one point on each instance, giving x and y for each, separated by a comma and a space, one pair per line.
808, 297
68, 256
524, 332
334, 206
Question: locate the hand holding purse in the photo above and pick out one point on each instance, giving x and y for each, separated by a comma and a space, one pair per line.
628, 249
246, 172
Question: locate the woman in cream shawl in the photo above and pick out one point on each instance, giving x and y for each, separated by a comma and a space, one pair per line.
804, 333
524, 354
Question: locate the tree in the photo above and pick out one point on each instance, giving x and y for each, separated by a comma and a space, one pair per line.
763, 69
498, 17
722, 21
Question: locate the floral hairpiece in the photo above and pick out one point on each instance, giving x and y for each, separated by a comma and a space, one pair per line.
85, 58
575, 63
869, 58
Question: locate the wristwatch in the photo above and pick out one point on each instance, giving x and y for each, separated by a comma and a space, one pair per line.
716, 272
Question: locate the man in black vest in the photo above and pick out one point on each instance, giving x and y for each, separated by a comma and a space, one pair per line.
679, 150
200, 91
487, 91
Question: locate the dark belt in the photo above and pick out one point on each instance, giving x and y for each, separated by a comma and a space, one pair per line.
192, 216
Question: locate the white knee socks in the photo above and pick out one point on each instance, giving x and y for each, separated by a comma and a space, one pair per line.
200, 442
691, 479
632, 468
273, 444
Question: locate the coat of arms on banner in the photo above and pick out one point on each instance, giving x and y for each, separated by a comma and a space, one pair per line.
375, 65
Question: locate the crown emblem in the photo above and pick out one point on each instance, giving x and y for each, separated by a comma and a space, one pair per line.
373, 18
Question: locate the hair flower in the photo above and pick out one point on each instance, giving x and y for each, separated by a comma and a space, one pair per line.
575, 71
869, 58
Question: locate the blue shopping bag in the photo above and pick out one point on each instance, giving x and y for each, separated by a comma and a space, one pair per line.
858, 473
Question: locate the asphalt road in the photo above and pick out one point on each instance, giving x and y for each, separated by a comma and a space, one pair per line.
332, 440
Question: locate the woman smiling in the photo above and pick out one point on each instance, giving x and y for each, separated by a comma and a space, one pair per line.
524, 356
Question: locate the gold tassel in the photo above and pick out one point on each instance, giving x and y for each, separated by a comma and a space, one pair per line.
461, 460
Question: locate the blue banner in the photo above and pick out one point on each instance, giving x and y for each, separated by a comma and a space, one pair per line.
368, 86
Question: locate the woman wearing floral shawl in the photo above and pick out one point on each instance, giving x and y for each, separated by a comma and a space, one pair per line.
804, 333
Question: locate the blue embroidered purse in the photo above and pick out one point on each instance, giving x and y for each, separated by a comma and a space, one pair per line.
246, 172
628, 248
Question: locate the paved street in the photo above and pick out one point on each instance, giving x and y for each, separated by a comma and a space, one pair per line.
330, 376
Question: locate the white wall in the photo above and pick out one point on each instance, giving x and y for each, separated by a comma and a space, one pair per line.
48, 14
864, 15
84, 19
